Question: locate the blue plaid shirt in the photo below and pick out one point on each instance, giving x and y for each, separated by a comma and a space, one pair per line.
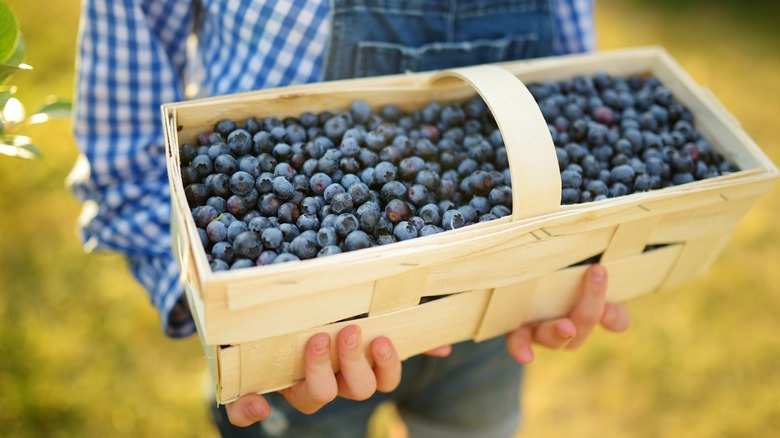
133, 57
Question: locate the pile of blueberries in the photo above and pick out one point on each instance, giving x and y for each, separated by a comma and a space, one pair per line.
273, 190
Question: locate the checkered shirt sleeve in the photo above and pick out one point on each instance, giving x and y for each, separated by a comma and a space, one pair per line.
574, 25
132, 57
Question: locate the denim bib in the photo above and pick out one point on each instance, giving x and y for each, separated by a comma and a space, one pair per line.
379, 37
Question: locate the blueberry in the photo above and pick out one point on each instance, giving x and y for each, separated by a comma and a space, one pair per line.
501, 195
452, 219
288, 213
428, 178
308, 222
284, 170
356, 240
284, 258
428, 230
237, 205
266, 258
349, 147
250, 164
618, 189
405, 230
623, 174
216, 231
282, 188
269, 204
258, 224
189, 176
597, 187
336, 126
571, 179
341, 202
360, 111
469, 213
203, 237
240, 142
368, 216
563, 157
397, 211
359, 192
328, 251
267, 162
332, 190
570, 195
418, 195
241, 183
591, 167
682, 178
264, 183
480, 204
345, 223
219, 265
319, 182
430, 214
247, 245
384, 172
203, 165
217, 203
204, 215
272, 238
498, 211
226, 218
223, 251
393, 190
262, 142
305, 246
242, 264
643, 183
295, 133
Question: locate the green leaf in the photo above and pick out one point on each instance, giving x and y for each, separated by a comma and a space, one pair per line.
19, 146
5, 94
14, 63
9, 32
54, 108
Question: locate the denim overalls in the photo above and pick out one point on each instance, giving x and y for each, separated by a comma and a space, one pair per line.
474, 392
379, 37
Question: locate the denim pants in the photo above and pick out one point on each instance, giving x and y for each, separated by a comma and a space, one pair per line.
475, 391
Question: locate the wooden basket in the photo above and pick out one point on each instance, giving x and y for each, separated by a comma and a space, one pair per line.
493, 276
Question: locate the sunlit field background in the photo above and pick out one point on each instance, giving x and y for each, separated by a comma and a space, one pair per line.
82, 354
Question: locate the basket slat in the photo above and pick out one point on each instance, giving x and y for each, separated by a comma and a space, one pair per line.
630, 238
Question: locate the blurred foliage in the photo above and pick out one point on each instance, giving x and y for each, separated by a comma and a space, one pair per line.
13, 117
82, 353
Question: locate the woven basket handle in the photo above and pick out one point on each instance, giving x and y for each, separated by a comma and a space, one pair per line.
533, 164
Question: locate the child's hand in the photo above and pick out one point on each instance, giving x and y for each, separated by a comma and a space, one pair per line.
571, 331
356, 380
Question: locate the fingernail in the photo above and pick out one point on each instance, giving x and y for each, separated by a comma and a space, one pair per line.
525, 356
564, 332
321, 346
384, 351
352, 340
256, 411
598, 274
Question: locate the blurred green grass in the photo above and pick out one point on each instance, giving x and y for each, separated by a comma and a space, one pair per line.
81, 352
